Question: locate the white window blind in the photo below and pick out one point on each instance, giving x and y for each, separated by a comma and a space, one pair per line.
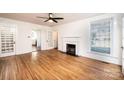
101, 36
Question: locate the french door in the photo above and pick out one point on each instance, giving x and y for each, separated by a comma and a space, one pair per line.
49, 39
7, 40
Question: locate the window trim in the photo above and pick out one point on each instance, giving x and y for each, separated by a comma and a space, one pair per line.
111, 36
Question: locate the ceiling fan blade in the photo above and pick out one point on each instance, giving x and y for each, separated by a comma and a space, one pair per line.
51, 18
46, 20
58, 18
42, 17
55, 21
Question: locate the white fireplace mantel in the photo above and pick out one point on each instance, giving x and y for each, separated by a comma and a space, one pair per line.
71, 40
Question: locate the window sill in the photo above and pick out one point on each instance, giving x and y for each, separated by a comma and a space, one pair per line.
101, 54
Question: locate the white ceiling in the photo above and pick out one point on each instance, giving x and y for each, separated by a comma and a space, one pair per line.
32, 17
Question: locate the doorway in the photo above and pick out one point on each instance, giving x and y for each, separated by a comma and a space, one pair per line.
36, 40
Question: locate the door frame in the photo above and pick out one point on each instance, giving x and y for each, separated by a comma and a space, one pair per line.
39, 31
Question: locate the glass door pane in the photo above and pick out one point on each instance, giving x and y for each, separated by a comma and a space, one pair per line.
7, 35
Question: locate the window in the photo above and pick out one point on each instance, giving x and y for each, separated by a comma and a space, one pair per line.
101, 36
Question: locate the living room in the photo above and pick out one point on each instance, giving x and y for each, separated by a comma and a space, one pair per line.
61, 46
94, 37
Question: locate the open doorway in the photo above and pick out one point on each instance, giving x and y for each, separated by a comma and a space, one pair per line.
36, 40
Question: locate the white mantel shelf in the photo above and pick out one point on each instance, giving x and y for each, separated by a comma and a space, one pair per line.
71, 37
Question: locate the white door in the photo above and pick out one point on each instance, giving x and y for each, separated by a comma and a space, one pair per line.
55, 39
122, 51
49, 40
38, 39
7, 40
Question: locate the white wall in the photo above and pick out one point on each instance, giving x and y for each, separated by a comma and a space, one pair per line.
82, 29
24, 31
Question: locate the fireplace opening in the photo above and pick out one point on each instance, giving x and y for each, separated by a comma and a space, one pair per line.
71, 49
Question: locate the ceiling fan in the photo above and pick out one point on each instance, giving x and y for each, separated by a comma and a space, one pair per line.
51, 18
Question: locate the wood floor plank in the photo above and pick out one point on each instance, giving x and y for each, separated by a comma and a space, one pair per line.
54, 65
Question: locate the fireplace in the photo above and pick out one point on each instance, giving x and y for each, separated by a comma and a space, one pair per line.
71, 49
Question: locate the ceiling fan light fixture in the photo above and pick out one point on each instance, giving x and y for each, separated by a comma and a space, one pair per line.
50, 21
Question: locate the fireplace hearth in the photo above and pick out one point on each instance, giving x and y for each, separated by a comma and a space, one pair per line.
71, 49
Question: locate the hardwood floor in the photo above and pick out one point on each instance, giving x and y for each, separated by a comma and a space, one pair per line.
54, 65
